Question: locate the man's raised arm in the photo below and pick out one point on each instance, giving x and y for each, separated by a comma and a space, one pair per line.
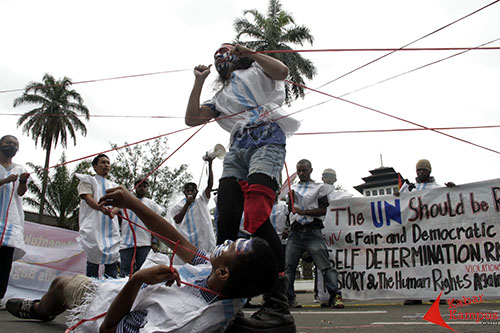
121, 197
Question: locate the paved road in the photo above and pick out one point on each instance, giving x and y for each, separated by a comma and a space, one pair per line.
367, 316
387, 316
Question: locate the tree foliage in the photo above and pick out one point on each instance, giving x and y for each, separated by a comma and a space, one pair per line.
138, 161
55, 115
275, 32
61, 198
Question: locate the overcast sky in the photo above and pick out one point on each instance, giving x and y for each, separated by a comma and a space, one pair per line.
87, 40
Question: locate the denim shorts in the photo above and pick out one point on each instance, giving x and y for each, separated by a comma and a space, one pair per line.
242, 162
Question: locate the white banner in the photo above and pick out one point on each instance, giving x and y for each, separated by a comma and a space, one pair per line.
50, 252
417, 244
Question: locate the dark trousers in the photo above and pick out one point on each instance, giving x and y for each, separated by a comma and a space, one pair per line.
6, 255
126, 259
110, 270
230, 205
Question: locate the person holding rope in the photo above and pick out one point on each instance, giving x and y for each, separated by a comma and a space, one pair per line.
99, 228
423, 181
213, 292
248, 105
192, 216
143, 239
13, 185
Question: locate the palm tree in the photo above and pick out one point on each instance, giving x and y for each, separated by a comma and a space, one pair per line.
61, 199
275, 32
55, 115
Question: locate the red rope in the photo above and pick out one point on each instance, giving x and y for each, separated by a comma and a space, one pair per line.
289, 188
395, 117
203, 288
144, 140
83, 321
173, 254
164, 238
104, 79
99, 116
177, 244
281, 51
199, 129
137, 185
415, 69
385, 49
132, 224
400, 130
135, 245
106, 116
408, 44
113, 149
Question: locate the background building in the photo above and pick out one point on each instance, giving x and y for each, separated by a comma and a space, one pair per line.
382, 181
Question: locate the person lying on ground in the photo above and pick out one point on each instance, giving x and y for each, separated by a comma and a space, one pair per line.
234, 271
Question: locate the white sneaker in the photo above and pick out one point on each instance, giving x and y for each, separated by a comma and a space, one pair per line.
2, 305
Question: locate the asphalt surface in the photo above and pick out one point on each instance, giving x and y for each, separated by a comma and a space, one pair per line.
357, 316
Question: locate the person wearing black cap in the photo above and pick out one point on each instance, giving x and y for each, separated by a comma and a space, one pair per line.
423, 181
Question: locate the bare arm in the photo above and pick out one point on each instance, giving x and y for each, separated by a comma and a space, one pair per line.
210, 182
125, 299
197, 114
23, 187
273, 68
93, 204
311, 212
121, 197
320, 211
180, 216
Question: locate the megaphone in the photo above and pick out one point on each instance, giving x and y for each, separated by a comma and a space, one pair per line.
219, 151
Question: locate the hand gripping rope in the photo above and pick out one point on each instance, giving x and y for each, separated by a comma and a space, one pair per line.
278, 51
176, 246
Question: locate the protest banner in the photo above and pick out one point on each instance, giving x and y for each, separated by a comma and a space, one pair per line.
417, 244
50, 252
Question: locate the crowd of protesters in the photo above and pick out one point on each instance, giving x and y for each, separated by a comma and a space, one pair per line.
278, 233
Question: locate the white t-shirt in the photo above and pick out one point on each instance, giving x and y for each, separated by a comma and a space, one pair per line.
421, 186
306, 197
251, 89
278, 218
14, 229
196, 225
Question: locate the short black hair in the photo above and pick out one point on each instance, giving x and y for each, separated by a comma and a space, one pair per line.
304, 161
96, 159
141, 180
253, 273
7, 136
190, 185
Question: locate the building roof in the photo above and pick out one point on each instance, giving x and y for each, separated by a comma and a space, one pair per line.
383, 176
